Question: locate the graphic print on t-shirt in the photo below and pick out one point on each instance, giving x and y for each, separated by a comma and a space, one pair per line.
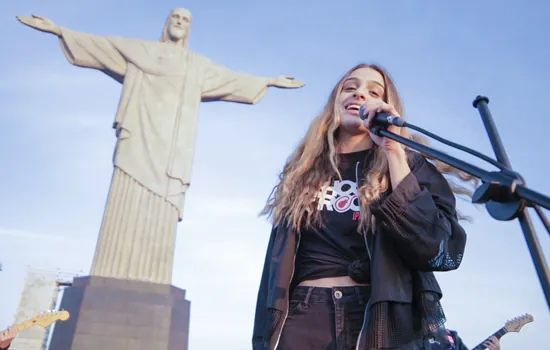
340, 197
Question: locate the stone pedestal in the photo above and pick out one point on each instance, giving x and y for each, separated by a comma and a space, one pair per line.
118, 314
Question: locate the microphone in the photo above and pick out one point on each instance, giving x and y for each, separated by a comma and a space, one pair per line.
382, 118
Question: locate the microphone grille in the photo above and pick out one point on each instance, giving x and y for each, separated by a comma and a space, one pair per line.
362, 113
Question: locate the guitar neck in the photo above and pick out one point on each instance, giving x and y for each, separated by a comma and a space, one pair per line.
43, 320
498, 334
18, 328
21, 326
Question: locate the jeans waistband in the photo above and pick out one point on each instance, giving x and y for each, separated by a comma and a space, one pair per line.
323, 294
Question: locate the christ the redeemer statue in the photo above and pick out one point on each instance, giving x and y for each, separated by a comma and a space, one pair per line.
163, 86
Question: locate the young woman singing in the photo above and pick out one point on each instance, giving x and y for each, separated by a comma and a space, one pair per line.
359, 225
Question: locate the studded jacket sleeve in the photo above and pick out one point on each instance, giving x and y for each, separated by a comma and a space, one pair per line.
420, 216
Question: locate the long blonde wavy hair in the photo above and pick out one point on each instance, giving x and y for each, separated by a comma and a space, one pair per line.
315, 161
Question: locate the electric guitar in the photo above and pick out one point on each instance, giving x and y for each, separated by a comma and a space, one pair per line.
43, 320
513, 325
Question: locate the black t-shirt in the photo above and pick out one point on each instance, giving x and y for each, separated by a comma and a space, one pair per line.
336, 248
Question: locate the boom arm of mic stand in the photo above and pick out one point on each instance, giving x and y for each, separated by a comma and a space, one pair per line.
503, 194
507, 179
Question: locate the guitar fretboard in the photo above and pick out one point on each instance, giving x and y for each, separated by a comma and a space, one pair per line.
498, 334
21, 327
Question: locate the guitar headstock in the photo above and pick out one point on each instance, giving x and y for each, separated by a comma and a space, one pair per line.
515, 324
47, 318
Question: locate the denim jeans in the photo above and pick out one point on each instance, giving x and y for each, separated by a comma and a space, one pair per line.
324, 318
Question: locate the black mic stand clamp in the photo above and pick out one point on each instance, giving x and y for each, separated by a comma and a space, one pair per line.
499, 196
503, 192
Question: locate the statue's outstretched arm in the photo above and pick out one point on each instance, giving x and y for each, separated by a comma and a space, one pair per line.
83, 49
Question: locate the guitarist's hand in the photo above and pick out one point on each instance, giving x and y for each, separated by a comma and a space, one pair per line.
6, 338
492, 344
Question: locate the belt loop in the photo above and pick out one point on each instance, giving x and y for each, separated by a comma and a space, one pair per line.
359, 295
308, 295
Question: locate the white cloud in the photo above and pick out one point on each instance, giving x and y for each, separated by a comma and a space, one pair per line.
44, 249
54, 79
7, 233
218, 206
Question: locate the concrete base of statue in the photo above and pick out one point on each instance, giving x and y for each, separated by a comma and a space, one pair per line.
122, 314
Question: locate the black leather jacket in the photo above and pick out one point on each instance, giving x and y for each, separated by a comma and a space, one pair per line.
416, 232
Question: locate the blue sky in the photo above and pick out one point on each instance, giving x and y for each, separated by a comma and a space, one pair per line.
57, 140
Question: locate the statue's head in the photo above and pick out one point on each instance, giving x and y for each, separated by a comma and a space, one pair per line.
177, 26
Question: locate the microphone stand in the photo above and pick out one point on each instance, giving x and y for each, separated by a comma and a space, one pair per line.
503, 192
